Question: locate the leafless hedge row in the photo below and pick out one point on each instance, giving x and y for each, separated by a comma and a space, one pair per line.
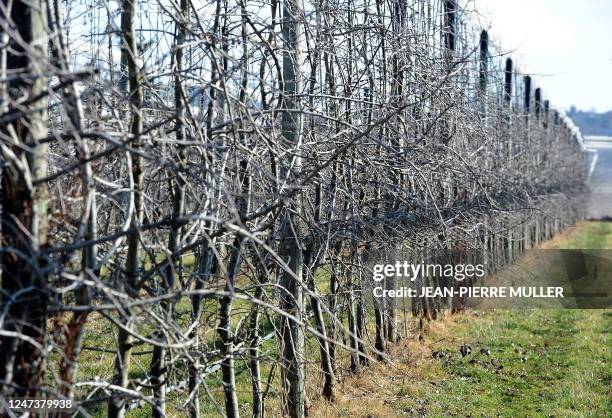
193, 193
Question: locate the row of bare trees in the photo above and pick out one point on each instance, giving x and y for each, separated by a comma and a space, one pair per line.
190, 228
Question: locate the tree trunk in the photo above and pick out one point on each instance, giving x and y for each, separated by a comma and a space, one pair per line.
177, 187
24, 204
292, 333
291, 295
225, 308
116, 407
73, 108
334, 280
207, 266
326, 362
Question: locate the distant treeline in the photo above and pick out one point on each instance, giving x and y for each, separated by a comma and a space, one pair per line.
592, 123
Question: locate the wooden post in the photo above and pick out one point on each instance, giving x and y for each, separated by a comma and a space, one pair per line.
507, 100
526, 109
538, 102
483, 73
450, 23
448, 32
508, 82
527, 96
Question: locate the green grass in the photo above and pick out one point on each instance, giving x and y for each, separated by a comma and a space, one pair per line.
553, 362
533, 363
541, 363
589, 235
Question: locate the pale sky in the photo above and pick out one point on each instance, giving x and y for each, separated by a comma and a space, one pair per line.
567, 43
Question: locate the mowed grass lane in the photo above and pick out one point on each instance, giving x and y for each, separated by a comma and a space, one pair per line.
523, 363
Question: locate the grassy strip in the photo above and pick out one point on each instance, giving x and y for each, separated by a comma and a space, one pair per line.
539, 362
522, 363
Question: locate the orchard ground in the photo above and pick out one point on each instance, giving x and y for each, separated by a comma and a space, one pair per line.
551, 362
545, 362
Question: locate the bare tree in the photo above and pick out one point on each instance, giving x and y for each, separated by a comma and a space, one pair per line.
116, 407
24, 198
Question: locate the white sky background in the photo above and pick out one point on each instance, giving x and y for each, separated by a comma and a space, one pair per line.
566, 43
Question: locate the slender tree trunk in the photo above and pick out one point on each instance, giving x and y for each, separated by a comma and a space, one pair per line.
292, 333
334, 285
254, 338
391, 311
262, 269
254, 364
225, 305
177, 187
225, 333
225, 309
326, 362
207, 266
116, 407
290, 250
379, 344
352, 320
378, 303
360, 313
75, 328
